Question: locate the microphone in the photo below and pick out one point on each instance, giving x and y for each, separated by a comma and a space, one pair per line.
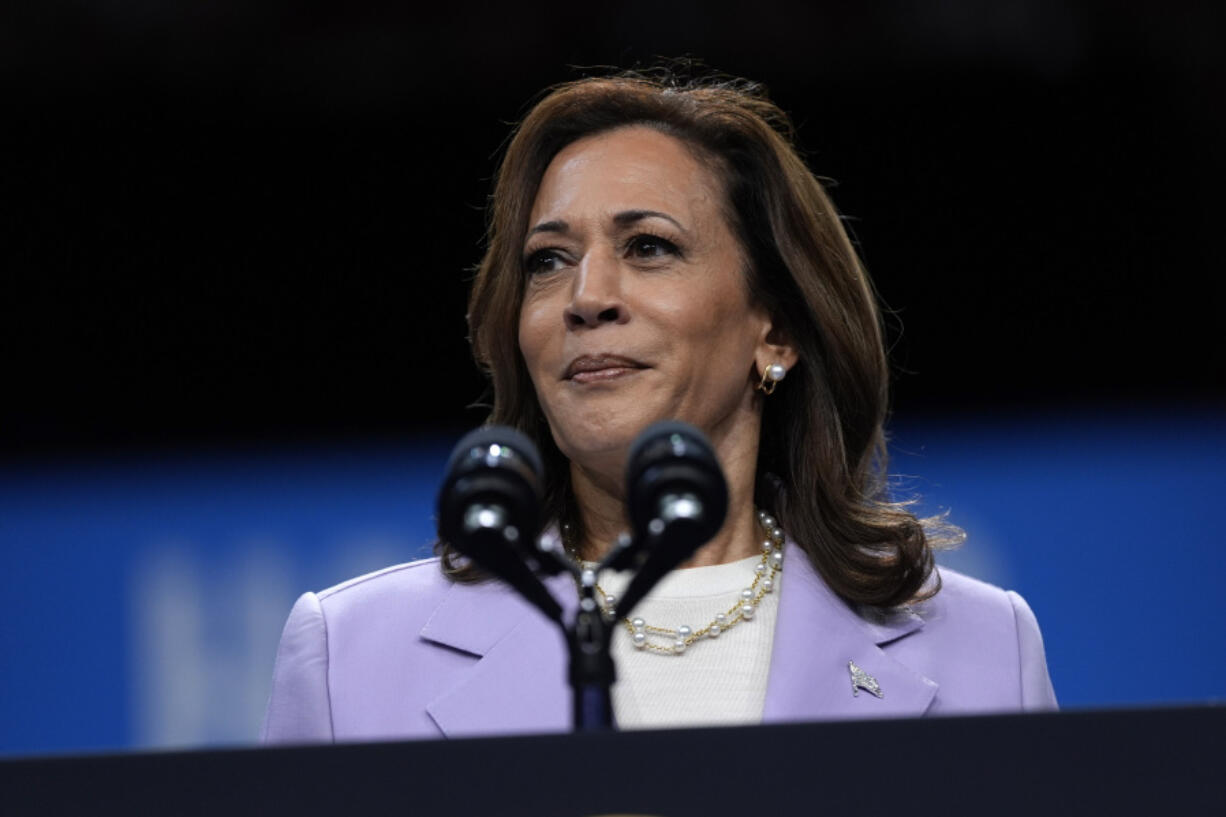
489, 508
676, 498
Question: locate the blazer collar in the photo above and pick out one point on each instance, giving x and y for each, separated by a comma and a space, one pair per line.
817, 635
520, 682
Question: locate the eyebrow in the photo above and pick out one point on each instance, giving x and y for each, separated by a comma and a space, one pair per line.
558, 226
628, 217
622, 220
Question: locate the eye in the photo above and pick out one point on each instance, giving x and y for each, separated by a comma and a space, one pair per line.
646, 245
547, 260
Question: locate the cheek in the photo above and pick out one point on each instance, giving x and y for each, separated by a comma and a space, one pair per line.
524, 341
714, 317
534, 334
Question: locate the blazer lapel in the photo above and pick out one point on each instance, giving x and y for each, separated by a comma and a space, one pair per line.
816, 636
519, 684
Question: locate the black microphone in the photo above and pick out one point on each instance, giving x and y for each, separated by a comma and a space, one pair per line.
676, 498
489, 508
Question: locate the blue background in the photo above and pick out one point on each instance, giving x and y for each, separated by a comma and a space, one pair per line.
144, 596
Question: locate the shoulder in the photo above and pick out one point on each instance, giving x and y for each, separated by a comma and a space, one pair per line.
967, 608
412, 606
415, 583
392, 605
982, 644
352, 665
395, 597
965, 600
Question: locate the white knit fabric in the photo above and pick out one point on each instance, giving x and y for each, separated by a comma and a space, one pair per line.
717, 681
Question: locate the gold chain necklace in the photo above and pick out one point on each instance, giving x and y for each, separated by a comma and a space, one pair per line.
675, 641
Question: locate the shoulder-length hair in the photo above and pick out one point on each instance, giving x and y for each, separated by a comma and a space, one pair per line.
822, 457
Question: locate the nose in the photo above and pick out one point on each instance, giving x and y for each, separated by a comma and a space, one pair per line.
596, 296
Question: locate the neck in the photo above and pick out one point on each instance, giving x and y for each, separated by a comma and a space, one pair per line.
601, 501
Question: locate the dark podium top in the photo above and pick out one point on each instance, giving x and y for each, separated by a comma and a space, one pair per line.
1166, 761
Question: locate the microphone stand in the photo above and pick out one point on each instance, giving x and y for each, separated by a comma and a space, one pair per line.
591, 663
592, 672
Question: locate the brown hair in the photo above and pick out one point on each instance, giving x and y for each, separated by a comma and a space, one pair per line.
822, 457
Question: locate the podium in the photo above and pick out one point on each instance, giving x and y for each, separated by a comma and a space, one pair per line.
1155, 761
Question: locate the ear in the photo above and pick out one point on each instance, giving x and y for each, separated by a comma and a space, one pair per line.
774, 346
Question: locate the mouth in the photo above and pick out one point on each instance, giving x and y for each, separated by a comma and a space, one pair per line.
597, 368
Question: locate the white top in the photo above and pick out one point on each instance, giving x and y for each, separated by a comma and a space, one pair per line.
716, 681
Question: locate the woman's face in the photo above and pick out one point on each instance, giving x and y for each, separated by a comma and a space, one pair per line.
635, 307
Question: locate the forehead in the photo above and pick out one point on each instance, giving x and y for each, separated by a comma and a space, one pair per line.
634, 167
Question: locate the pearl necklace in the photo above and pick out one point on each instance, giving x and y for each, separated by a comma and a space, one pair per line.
675, 641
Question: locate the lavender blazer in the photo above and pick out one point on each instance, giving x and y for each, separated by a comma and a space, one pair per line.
404, 653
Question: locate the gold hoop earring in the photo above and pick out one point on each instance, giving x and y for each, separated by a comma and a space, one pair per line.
771, 376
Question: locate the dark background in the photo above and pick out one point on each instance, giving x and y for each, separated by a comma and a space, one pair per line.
231, 221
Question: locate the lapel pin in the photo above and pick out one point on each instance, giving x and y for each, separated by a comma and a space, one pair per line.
861, 680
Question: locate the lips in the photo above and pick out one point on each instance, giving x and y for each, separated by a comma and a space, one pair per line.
589, 368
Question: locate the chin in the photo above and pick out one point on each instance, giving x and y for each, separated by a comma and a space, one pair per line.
600, 445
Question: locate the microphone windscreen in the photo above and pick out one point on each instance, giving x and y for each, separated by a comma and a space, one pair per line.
674, 457
489, 508
485, 436
491, 465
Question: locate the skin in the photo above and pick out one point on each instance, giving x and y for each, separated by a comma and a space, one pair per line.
629, 254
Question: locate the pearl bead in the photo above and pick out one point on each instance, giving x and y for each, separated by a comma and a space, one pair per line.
747, 593
759, 568
639, 639
721, 620
768, 521
776, 372
776, 558
747, 611
768, 585
678, 646
638, 624
767, 544
714, 631
684, 631
610, 601
777, 534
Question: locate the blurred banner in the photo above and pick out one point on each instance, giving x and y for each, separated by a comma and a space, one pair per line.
145, 596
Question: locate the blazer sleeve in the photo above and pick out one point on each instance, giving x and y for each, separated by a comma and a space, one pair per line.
1037, 691
299, 707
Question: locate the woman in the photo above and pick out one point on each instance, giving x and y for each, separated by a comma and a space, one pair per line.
659, 251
